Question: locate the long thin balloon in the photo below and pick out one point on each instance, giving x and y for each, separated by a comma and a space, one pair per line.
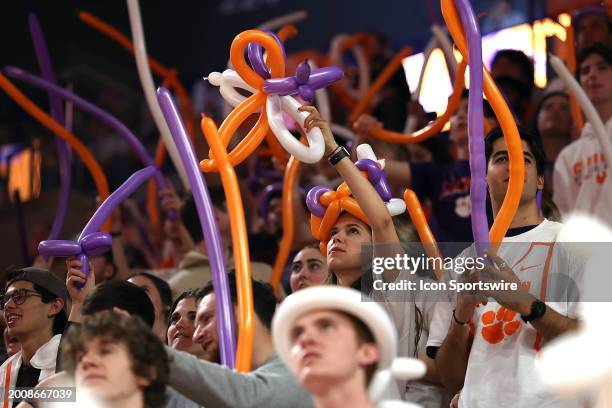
478, 170
587, 106
240, 246
148, 86
511, 136
570, 52
109, 205
289, 181
63, 150
48, 122
216, 254
99, 113
447, 48
280, 21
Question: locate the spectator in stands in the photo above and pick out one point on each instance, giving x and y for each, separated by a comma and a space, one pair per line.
309, 268
161, 297
592, 25
181, 324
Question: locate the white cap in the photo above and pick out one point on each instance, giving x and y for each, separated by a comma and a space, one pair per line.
353, 302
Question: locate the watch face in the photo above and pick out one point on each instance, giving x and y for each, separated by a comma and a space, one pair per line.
538, 309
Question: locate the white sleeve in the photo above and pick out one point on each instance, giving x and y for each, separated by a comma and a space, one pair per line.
438, 327
564, 195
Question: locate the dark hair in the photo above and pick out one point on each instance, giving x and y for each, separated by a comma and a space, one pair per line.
534, 122
519, 58
165, 293
533, 141
189, 212
121, 294
188, 294
264, 301
148, 357
60, 319
597, 48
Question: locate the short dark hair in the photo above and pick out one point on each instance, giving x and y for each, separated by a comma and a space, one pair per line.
59, 320
533, 141
597, 48
165, 293
264, 301
519, 58
189, 212
121, 294
149, 359
534, 122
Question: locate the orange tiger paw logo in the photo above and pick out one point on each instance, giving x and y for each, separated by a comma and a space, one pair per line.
500, 324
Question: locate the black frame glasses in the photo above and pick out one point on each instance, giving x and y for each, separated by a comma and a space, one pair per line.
19, 297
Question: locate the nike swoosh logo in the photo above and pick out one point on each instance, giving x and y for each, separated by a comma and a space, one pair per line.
524, 268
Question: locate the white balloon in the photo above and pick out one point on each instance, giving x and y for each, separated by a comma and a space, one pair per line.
275, 105
362, 66
283, 20
396, 206
227, 82
587, 107
447, 47
148, 86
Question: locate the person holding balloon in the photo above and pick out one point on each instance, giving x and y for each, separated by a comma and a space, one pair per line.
371, 223
476, 347
581, 177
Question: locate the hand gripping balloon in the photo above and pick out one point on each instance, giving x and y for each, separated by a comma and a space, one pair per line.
265, 99
326, 205
90, 241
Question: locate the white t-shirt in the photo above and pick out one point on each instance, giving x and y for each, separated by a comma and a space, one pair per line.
581, 180
501, 365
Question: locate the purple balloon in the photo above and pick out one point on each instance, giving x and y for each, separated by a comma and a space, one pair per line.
216, 254
478, 186
312, 200
93, 244
99, 113
304, 83
302, 73
57, 113
58, 247
539, 201
377, 177
255, 55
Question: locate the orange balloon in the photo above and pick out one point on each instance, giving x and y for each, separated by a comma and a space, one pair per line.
253, 102
287, 32
381, 80
420, 222
81, 150
506, 120
244, 349
436, 126
289, 185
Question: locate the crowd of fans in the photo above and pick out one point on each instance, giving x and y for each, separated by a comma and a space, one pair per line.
142, 329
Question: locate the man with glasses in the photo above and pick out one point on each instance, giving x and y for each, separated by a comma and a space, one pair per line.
34, 308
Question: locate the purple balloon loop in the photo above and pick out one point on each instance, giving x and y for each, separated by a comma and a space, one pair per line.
97, 112
93, 244
255, 54
312, 200
478, 187
212, 239
109, 205
57, 113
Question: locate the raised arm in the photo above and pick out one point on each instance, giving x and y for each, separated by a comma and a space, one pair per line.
370, 202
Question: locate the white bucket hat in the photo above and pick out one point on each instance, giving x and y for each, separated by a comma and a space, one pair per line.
370, 313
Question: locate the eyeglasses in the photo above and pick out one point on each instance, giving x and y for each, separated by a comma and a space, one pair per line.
19, 297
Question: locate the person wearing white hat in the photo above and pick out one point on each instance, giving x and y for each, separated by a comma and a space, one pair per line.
338, 345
